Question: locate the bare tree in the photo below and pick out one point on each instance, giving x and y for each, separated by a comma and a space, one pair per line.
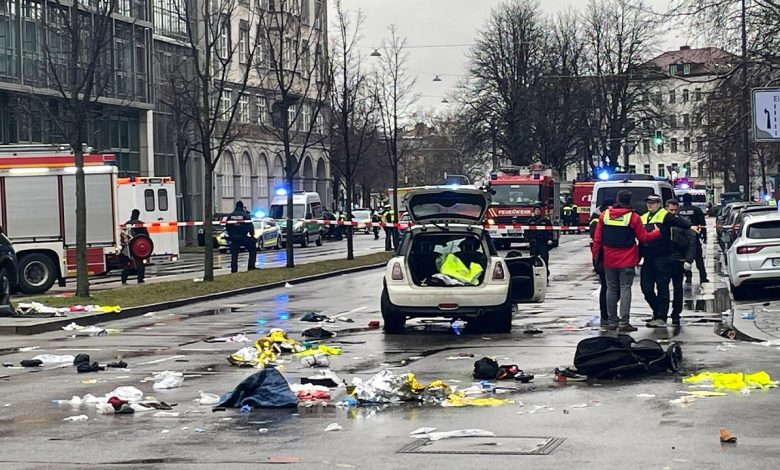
298, 86
393, 91
214, 100
619, 36
354, 125
79, 38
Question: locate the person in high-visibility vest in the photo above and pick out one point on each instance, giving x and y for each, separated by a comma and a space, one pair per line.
594, 219
659, 261
569, 213
616, 251
388, 217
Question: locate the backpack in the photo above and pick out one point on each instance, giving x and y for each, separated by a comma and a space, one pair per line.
608, 356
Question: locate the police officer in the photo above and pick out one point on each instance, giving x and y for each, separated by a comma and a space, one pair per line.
696, 217
684, 244
131, 232
659, 262
388, 217
569, 213
540, 240
375, 220
241, 233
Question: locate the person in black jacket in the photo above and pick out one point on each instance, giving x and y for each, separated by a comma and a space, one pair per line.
130, 232
241, 233
696, 216
540, 240
594, 218
684, 245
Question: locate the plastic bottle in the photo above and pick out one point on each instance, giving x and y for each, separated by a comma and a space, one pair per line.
458, 326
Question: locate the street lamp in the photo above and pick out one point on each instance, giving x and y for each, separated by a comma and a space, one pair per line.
376, 53
436, 78
445, 101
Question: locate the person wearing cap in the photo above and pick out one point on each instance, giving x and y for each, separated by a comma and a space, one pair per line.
696, 217
128, 259
616, 251
659, 260
241, 234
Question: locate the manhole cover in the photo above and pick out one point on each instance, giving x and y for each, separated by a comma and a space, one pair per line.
498, 445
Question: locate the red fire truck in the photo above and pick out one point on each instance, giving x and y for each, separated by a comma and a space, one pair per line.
582, 194
516, 191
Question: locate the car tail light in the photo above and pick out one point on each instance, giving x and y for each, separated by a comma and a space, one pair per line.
398, 274
498, 272
748, 249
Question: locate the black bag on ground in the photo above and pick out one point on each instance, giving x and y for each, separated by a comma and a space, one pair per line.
608, 356
6, 306
485, 369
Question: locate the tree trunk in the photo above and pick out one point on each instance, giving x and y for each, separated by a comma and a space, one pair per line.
350, 228
208, 209
185, 204
396, 208
82, 273
289, 222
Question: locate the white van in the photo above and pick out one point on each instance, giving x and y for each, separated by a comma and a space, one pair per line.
306, 206
640, 186
155, 197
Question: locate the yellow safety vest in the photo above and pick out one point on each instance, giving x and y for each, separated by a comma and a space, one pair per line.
453, 267
657, 219
617, 232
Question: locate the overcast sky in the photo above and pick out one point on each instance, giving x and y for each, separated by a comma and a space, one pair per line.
442, 22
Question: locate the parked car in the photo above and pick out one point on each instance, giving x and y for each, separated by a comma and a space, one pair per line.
728, 224
739, 218
268, 234
332, 232
362, 216
9, 274
217, 229
448, 222
307, 208
754, 257
726, 198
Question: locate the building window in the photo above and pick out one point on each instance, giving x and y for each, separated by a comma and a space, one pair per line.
243, 43
659, 148
305, 11
224, 103
646, 168
318, 14
262, 177
699, 144
685, 96
169, 16
243, 107
646, 146
320, 124
697, 94
687, 69
686, 121
659, 98
632, 169
291, 115
306, 118
673, 70
305, 59
673, 145
246, 177
223, 42
227, 176
699, 169
262, 110
687, 144
661, 170
686, 169
672, 96
289, 58
673, 121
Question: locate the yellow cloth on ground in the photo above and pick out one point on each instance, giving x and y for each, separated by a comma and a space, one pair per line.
321, 349
459, 400
733, 380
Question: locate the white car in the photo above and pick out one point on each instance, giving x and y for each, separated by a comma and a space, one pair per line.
754, 257
362, 216
446, 222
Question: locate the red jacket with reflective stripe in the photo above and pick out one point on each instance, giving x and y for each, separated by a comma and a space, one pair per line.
617, 258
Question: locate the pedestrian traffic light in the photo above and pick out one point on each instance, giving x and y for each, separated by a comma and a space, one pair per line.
658, 139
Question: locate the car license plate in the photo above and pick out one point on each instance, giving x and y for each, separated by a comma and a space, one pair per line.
776, 262
514, 234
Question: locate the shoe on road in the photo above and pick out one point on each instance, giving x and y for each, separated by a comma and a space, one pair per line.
627, 328
657, 323
566, 374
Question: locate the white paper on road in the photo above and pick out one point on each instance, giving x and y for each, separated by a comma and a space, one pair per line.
333, 427
52, 359
167, 379
207, 399
77, 418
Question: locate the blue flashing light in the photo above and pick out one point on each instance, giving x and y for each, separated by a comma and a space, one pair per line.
281, 191
767, 197
260, 214
454, 187
685, 186
604, 175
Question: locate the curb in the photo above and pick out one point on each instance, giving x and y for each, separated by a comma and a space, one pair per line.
91, 319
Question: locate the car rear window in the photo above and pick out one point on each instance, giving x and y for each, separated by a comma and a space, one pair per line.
638, 196
764, 230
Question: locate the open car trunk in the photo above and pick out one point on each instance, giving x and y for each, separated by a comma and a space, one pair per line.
428, 250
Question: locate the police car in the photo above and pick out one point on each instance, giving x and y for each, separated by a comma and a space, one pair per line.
448, 267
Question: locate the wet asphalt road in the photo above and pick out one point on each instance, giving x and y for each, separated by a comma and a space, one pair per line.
616, 429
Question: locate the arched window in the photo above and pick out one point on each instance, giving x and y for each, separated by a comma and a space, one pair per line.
262, 177
246, 176
228, 173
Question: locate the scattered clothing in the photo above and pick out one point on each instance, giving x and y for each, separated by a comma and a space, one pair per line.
264, 389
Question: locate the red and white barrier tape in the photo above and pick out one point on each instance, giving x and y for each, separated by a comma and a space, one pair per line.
356, 224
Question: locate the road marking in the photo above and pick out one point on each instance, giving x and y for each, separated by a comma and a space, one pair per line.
79, 349
347, 313
157, 361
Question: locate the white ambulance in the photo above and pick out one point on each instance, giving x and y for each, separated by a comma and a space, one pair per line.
155, 197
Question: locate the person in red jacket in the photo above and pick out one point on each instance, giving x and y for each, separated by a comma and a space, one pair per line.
615, 249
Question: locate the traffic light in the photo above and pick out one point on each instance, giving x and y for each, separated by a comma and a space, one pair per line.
658, 139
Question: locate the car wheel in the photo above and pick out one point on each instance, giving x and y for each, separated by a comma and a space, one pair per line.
318, 242
499, 322
37, 273
223, 251
278, 245
305, 241
395, 321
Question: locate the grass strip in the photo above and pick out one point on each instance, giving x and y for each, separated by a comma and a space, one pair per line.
152, 293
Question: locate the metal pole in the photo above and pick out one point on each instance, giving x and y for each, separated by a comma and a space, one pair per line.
745, 107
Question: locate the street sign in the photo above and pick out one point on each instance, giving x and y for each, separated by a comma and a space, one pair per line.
766, 107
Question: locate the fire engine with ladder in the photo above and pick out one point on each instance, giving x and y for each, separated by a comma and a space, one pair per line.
38, 212
516, 191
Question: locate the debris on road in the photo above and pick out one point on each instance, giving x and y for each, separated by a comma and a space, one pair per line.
727, 437
167, 379
437, 436
264, 389
31, 363
207, 399
333, 427
733, 380
315, 317
318, 333
460, 400
76, 418
239, 338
